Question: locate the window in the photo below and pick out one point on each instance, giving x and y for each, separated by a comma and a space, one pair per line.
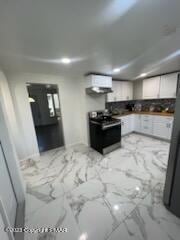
51, 104
56, 104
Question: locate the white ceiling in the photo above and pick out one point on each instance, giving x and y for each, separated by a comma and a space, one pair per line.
98, 35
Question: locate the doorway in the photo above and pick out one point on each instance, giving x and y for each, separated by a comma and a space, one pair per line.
46, 112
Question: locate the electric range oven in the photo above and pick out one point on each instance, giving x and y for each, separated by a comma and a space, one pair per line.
105, 132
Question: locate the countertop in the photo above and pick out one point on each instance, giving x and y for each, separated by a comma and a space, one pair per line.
166, 114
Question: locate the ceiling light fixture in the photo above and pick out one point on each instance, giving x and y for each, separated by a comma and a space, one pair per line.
84, 236
137, 189
116, 70
143, 75
116, 207
66, 60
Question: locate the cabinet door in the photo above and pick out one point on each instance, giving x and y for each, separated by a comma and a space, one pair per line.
146, 124
127, 90
119, 90
151, 88
123, 126
113, 97
110, 97
126, 125
137, 122
162, 127
168, 86
160, 130
132, 122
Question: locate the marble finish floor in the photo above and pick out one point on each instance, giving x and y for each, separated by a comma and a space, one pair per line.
118, 196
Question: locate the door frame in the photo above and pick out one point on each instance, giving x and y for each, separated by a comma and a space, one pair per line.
13, 167
5, 162
5, 220
57, 87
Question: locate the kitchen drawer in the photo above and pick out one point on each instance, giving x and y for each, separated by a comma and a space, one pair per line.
161, 119
146, 118
146, 124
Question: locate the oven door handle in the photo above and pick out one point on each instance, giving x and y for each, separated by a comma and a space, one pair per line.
94, 122
111, 125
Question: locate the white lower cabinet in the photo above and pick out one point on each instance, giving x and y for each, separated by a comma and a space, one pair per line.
162, 127
137, 122
157, 126
146, 124
126, 124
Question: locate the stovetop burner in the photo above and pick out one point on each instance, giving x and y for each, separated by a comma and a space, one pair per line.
104, 120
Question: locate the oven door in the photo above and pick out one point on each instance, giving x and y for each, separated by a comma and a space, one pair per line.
111, 135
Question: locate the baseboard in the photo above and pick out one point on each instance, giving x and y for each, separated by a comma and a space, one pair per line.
74, 144
152, 136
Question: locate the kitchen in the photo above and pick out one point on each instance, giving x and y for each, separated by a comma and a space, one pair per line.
139, 107
89, 119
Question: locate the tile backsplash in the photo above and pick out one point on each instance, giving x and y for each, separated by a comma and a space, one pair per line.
145, 105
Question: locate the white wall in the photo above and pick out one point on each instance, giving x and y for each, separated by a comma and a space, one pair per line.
89, 103
7, 103
6, 129
75, 104
70, 108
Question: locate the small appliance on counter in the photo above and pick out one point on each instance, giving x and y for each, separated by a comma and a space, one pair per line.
105, 131
138, 107
152, 108
130, 107
171, 108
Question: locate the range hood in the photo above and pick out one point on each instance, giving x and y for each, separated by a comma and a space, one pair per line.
98, 84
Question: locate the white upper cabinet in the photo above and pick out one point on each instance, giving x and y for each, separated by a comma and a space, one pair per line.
122, 91
151, 87
160, 87
168, 86
119, 91
127, 90
115, 95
